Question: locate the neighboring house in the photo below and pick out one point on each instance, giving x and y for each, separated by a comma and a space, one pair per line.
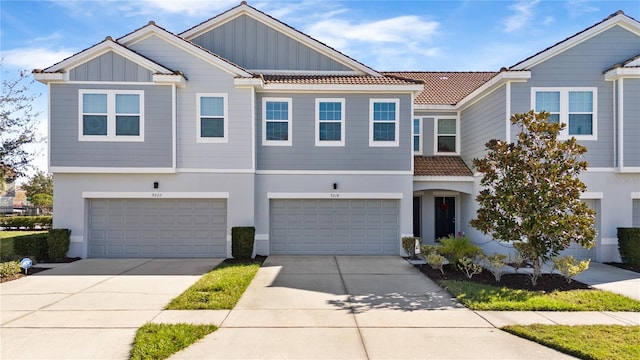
161, 143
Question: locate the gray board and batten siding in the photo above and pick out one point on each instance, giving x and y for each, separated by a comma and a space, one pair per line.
254, 45
583, 65
329, 226
157, 228
66, 150
631, 126
355, 155
110, 67
205, 78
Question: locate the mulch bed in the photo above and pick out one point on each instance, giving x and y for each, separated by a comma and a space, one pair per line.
258, 258
36, 269
546, 282
635, 268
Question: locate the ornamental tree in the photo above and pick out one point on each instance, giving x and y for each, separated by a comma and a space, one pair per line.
531, 191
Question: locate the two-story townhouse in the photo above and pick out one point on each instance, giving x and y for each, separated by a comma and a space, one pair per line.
589, 81
161, 143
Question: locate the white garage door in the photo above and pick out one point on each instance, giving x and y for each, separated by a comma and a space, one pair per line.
310, 226
157, 228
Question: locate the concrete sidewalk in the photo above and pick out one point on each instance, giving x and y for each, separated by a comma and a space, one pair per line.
89, 309
355, 308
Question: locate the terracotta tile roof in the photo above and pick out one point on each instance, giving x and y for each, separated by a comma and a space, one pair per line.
445, 88
440, 166
337, 80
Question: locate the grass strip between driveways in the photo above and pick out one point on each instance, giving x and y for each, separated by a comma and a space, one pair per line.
219, 289
159, 341
486, 297
591, 342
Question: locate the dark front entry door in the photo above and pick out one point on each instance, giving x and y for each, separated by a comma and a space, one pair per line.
416, 216
445, 216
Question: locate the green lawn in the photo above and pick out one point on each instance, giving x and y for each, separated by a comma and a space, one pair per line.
485, 297
592, 342
6, 241
160, 341
219, 289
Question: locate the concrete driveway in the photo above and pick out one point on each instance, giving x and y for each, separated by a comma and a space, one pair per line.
89, 309
342, 307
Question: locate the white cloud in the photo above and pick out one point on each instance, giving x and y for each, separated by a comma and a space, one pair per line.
523, 14
30, 58
576, 8
186, 7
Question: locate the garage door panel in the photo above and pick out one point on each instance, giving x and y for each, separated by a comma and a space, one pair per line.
334, 226
157, 228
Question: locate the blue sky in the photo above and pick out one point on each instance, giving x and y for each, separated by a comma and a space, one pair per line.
386, 35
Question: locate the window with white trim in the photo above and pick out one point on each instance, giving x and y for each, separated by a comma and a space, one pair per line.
384, 122
111, 115
276, 121
330, 122
575, 107
212, 123
417, 136
447, 136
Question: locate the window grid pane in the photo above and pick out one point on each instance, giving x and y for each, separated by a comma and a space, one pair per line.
416, 126
447, 126
330, 111
416, 143
548, 101
94, 103
94, 125
212, 106
277, 130
128, 125
383, 111
580, 101
212, 127
277, 110
384, 131
330, 131
446, 144
127, 104
580, 124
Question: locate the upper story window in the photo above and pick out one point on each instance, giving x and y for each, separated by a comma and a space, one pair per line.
576, 107
417, 136
384, 122
276, 123
330, 122
447, 136
111, 115
212, 123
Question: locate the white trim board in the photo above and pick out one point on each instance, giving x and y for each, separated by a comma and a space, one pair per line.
635, 195
444, 178
110, 170
592, 195
334, 195
331, 172
153, 195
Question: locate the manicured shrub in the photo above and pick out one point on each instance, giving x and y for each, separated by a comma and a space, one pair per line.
436, 261
25, 222
9, 268
470, 265
242, 238
409, 245
495, 264
455, 248
629, 245
58, 241
569, 267
34, 245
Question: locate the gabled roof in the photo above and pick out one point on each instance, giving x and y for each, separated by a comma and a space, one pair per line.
616, 19
244, 9
628, 69
440, 166
152, 29
444, 88
108, 44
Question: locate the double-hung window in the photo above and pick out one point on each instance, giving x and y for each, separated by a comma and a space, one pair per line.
446, 131
111, 115
384, 122
330, 122
575, 107
276, 123
417, 136
212, 124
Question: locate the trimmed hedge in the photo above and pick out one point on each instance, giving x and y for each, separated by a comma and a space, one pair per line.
34, 245
629, 245
25, 222
58, 241
242, 241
